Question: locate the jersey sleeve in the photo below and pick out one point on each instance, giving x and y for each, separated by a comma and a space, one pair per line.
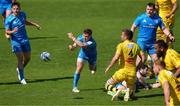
24, 15
7, 24
137, 21
80, 38
161, 24
119, 49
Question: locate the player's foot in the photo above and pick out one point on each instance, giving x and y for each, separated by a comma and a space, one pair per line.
23, 81
156, 85
93, 72
75, 90
18, 73
111, 93
126, 96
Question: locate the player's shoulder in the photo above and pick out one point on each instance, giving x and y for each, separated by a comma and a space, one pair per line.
141, 15
156, 16
120, 44
80, 37
22, 13
10, 17
172, 52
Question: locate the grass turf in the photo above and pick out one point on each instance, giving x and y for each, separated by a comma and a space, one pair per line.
50, 83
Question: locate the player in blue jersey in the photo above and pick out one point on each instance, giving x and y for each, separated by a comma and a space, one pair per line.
148, 23
87, 53
5, 10
15, 27
5, 7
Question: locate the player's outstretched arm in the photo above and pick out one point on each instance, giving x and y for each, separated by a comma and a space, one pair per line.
173, 11
113, 61
166, 89
177, 74
72, 47
73, 38
168, 34
33, 24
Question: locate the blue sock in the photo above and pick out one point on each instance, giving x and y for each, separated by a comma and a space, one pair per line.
76, 79
21, 73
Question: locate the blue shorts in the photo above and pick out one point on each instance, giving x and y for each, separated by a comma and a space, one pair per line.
91, 60
147, 47
18, 47
3, 9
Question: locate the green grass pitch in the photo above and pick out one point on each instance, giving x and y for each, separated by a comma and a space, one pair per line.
50, 83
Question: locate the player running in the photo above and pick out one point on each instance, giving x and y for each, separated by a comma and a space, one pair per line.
87, 52
15, 27
126, 52
169, 84
166, 10
148, 23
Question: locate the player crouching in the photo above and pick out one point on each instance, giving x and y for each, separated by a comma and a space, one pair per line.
127, 52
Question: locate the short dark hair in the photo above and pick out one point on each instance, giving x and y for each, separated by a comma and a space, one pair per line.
15, 3
128, 33
151, 5
88, 31
161, 44
161, 63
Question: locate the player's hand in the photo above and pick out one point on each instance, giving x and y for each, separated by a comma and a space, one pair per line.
8, 36
168, 15
171, 38
15, 29
71, 47
71, 36
38, 26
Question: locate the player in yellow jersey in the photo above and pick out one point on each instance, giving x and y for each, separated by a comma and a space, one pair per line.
169, 84
127, 52
166, 10
169, 56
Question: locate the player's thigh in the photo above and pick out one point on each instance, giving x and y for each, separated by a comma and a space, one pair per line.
131, 80
26, 47
151, 49
119, 76
80, 64
27, 56
142, 45
16, 47
92, 63
19, 56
